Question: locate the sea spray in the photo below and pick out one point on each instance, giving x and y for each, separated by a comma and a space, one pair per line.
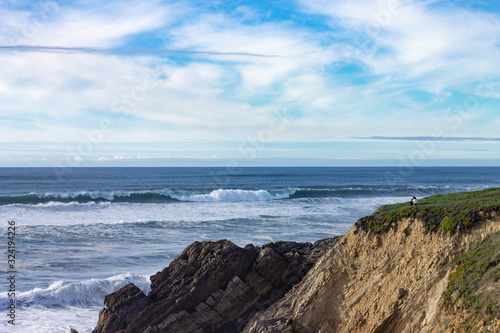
85, 293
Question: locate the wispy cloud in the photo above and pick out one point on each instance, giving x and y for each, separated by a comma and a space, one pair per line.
123, 51
411, 39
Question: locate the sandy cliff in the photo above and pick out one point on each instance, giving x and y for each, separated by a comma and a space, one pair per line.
378, 282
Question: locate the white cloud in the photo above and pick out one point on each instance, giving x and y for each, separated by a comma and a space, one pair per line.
295, 49
105, 24
53, 96
417, 38
196, 100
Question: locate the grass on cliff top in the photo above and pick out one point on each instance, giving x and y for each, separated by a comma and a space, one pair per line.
475, 279
446, 212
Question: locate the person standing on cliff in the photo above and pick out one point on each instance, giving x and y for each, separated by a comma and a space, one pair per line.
413, 201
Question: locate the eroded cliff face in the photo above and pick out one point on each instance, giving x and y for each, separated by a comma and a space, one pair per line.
378, 282
211, 287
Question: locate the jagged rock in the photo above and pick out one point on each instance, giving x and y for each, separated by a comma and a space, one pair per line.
211, 287
122, 306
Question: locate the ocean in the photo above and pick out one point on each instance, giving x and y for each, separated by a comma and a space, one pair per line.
83, 233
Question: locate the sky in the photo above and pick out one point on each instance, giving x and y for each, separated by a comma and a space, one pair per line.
249, 83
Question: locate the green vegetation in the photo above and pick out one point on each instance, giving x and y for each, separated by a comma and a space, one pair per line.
445, 213
475, 280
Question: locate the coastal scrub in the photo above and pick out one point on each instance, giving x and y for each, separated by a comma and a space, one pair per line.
474, 279
445, 213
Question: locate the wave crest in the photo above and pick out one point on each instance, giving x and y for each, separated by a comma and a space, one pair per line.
86, 293
235, 196
161, 196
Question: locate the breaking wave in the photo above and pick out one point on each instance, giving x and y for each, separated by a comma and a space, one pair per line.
85, 293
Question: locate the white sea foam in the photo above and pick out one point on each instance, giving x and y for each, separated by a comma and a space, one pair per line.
225, 195
91, 197
37, 319
97, 194
72, 204
221, 195
86, 293
62, 306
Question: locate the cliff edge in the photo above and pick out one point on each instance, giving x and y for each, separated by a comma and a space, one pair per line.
430, 268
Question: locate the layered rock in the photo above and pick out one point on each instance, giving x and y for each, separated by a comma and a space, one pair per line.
211, 287
393, 281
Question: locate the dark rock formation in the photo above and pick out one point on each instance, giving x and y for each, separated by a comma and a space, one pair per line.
211, 287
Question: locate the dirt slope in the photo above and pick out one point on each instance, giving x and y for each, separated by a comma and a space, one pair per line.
392, 281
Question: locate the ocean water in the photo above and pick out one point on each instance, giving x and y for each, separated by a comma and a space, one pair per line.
84, 233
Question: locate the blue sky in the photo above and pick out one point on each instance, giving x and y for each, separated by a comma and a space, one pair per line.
218, 83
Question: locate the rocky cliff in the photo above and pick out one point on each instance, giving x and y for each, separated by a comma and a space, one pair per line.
211, 287
432, 268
